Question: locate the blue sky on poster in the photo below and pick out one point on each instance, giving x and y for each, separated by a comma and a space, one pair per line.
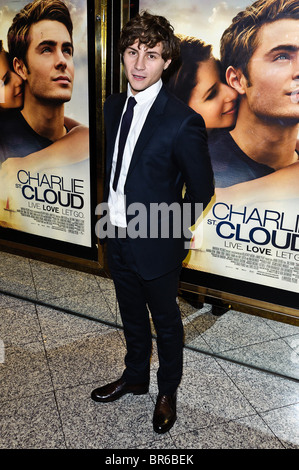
205, 19
77, 108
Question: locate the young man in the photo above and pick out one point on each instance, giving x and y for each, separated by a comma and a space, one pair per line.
166, 147
260, 53
40, 44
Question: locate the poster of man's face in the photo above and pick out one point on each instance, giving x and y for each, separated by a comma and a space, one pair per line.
239, 70
44, 119
77, 108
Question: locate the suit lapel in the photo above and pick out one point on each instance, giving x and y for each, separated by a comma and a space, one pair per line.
115, 115
152, 122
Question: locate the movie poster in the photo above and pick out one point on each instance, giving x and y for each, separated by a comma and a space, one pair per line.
251, 230
44, 123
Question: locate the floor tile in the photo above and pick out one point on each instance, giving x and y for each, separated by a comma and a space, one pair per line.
274, 356
19, 322
31, 423
284, 422
91, 305
207, 396
24, 372
243, 433
282, 329
235, 330
58, 326
108, 291
85, 359
123, 424
16, 276
293, 342
263, 390
54, 282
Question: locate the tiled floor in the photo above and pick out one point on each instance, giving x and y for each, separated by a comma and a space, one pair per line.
51, 360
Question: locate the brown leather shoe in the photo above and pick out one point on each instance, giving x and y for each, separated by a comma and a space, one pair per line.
165, 413
117, 389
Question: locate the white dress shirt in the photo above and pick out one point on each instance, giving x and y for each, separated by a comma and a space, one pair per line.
116, 200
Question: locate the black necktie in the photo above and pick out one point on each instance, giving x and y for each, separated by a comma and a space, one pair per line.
124, 130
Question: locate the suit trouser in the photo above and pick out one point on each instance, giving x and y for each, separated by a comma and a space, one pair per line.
136, 297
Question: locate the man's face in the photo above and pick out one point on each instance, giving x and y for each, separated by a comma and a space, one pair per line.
273, 91
50, 71
143, 66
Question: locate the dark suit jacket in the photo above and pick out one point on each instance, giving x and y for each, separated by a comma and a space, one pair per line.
171, 150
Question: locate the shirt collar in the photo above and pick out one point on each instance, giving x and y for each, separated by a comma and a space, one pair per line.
147, 94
